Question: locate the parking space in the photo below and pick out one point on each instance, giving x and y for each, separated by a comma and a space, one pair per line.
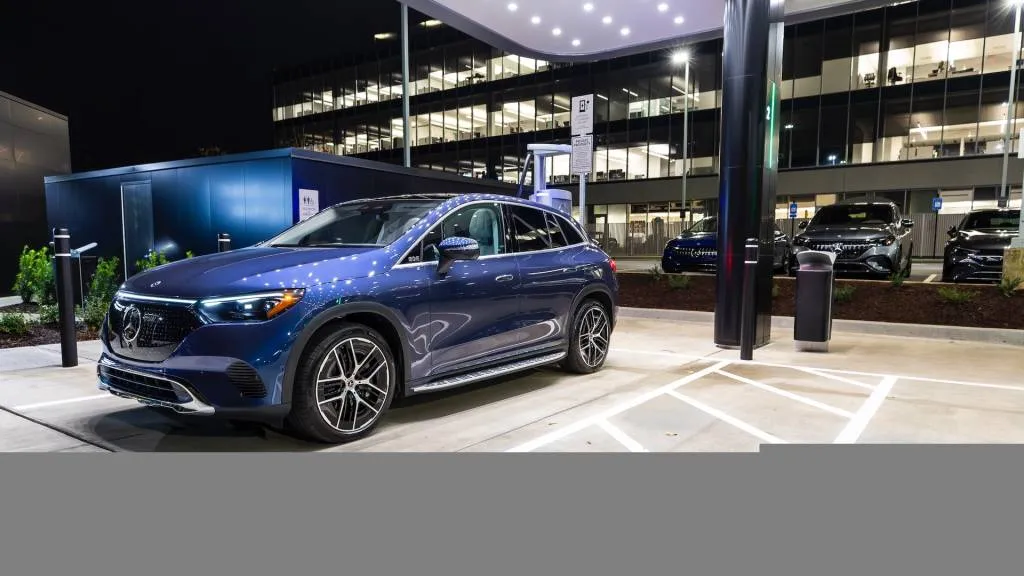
665, 387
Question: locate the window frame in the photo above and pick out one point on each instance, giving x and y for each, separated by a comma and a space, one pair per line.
417, 247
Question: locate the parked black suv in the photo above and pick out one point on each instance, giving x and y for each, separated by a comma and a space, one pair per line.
870, 238
975, 248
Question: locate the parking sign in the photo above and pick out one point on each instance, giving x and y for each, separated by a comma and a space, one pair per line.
937, 203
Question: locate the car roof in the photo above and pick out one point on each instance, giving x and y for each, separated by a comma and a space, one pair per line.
458, 199
996, 209
863, 202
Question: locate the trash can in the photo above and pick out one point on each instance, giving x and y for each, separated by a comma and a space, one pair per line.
815, 280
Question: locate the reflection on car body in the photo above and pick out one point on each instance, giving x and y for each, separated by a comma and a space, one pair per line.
320, 328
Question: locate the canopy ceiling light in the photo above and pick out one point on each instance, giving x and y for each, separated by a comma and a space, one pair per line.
571, 30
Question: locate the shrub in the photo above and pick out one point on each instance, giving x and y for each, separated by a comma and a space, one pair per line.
1009, 286
844, 293
775, 290
35, 280
955, 295
679, 281
49, 314
101, 292
897, 279
153, 259
13, 325
655, 273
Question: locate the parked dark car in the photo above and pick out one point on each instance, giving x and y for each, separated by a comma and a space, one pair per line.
975, 248
321, 327
696, 249
869, 238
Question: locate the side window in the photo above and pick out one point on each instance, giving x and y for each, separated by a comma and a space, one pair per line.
555, 232
481, 222
572, 235
530, 228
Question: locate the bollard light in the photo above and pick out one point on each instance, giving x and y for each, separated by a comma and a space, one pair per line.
65, 297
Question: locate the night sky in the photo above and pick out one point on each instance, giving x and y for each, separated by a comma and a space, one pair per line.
154, 81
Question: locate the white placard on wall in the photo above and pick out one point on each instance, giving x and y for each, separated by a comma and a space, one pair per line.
309, 203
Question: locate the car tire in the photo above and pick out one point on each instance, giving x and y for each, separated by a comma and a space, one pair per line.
910, 266
590, 325
344, 385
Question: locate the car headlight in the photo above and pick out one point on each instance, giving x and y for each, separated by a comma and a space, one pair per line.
961, 253
249, 307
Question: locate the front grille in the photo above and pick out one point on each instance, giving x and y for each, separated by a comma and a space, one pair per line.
246, 380
844, 250
148, 331
142, 385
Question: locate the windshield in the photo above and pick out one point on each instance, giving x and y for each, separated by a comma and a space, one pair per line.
366, 223
993, 219
863, 215
704, 226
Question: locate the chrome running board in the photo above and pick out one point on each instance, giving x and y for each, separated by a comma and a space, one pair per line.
488, 373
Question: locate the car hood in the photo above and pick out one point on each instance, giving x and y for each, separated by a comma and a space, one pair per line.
840, 233
254, 269
985, 239
694, 240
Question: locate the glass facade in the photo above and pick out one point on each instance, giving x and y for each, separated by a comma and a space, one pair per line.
915, 80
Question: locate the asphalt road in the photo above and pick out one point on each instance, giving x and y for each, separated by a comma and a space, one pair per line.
922, 271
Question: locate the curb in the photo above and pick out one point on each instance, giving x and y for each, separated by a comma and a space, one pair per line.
928, 331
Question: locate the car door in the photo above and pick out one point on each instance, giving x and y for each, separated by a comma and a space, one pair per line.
546, 251
473, 308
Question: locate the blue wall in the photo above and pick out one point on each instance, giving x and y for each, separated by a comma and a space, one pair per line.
250, 200
249, 196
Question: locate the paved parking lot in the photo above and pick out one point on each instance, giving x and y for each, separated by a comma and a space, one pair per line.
665, 388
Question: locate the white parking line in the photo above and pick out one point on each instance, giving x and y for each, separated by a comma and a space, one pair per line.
621, 436
788, 394
61, 402
832, 370
568, 429
736, 422
867, 411
930, 278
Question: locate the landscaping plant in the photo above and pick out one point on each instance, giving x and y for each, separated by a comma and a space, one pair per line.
35, 279
101, 292
955, 295
844, 293
1009, 286
13, 325
679, 281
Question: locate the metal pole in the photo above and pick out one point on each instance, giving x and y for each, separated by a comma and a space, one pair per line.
1011, 107
686, 135
748, 316
583, 201
406, 135
65, 297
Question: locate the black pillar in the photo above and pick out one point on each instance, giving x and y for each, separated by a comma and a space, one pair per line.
223, 242
65, 297
752, 77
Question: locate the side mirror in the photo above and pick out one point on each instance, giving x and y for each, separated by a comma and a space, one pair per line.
951, 232
908, 223
802, 225
455, 248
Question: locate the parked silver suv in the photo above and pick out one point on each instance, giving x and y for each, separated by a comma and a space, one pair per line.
870, 238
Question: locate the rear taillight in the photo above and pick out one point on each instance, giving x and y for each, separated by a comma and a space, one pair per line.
611, 263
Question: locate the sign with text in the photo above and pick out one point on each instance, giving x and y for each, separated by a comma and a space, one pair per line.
582, 115
792, 210
937, 203
309, 203
582, 154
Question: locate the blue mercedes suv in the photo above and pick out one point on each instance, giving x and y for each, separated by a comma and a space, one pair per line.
318, 329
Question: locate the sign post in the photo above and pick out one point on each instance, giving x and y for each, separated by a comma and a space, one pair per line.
937, 204
582, 127
792, 218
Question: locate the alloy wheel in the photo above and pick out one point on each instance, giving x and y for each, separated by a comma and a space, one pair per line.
352, 385
593, 336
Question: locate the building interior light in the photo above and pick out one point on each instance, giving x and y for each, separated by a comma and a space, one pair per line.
663, 7
557, 32
576, 42
513, 7
678, 20
431, 23
606, 20
624, 31
383, 35
535, 20
588, 7
680, 57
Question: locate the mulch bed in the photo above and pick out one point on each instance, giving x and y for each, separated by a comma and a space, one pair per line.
875, 301
20, 308
39, 335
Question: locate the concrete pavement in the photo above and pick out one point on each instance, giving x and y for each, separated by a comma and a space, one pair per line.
665, 387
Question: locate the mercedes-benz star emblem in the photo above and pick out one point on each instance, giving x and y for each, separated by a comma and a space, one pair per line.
131, 324
837, 247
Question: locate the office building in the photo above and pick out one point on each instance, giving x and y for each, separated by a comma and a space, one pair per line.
906, 102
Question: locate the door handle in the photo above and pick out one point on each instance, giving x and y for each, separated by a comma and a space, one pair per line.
504, 278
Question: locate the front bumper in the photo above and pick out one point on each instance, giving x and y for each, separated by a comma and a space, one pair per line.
673, 261
871, 261
975, 269
149, 389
